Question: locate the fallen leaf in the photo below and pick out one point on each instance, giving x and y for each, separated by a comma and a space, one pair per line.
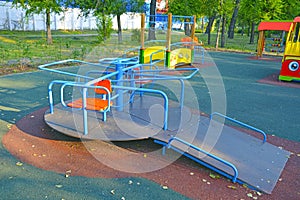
112, 191
231, 187
58, 186
130, 182
164, 187
214, 176
19, 164
249, 195
204, 180
259, 193
191, 173
9, 126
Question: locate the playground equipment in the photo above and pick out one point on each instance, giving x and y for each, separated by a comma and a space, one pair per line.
291, 59
275, 43
104, 105
175, 54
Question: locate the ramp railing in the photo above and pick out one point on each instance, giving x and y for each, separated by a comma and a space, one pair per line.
240, 123
235, 171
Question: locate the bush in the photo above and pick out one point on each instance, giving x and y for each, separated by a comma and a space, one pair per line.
104, 27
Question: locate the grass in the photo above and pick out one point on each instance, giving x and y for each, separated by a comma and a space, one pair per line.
25, 50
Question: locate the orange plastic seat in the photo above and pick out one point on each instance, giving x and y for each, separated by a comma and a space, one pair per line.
95, 103
104, 83
91, 104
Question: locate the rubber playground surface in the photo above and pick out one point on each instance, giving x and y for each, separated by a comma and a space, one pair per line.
37, 162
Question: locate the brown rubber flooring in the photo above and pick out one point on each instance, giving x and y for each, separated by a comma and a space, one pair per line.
33, 142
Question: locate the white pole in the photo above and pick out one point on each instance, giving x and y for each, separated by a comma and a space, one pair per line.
33, 22
8, 19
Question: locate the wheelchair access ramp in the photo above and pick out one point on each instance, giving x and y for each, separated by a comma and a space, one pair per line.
232, 153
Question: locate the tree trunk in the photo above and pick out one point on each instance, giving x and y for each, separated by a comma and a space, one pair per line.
233, 19
210, 24
119, 28
223, 31
151, 35
248, 29
48, 22
209, 27
218, 32
187, 29
252, 33
202, 24
243, 30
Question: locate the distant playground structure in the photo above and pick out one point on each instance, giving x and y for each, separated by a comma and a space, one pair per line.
276, 42
173, 54
149, 92
291, 58
288, 44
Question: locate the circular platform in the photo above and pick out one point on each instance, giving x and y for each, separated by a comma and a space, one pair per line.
140, 120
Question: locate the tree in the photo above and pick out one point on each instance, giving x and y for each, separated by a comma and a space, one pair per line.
187, 8
120, 7
210, 10
233, 19
41, 7
225, 7
291, 9
254, 11
151, 34
103, 8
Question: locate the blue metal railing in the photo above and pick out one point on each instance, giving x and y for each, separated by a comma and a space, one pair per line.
240, 123
235, 171
121, 66
45, 67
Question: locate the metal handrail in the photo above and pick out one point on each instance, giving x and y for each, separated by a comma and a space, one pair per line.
235, 171
240, 123
166, 103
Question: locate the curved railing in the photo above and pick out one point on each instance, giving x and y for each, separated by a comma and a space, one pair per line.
234, 169
241, 123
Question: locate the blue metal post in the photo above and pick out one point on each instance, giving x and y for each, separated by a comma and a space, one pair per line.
85, 120
119, 78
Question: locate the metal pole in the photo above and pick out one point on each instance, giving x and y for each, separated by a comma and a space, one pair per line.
142, 50
119, 78
168, 45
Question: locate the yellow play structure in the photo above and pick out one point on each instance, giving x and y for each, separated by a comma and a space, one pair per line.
172, 54
290, 70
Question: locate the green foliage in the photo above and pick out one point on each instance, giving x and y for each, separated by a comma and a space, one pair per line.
39, 6
104, 27
187, 7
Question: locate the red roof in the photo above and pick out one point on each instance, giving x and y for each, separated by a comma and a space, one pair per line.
297, 19
275, 26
